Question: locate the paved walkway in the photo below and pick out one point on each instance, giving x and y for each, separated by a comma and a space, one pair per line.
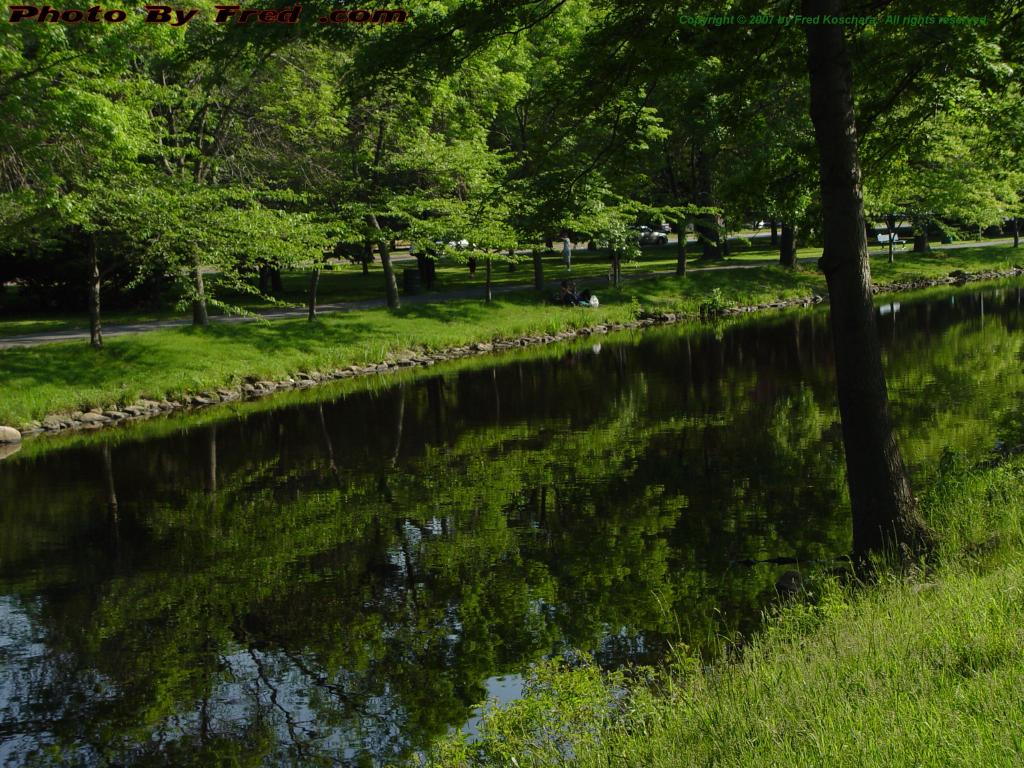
121, 329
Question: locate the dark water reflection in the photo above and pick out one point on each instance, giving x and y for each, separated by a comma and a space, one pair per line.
340, 582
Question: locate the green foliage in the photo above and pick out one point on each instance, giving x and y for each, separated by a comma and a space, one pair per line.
957, 172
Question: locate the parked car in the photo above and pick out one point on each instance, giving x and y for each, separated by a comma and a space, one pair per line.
648, 236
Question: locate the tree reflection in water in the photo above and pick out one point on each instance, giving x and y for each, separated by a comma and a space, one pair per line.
335, 582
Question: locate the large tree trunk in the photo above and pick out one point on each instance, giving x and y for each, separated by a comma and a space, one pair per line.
681, 247
199, 313
775, 233
95, 328
884, 509
787, 247
538, 270
390, 284
314, 283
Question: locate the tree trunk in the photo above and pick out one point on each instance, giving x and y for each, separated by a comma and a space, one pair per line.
390, 284
314, 283
706, 237
921, 240
95, 328
538, 270
427, 268
775, 233
707, 232
275, 281
705, 226
890, 231
367, 257
199, 313
616, 268
883, 508
1016, 233
681, 247
787, 245
487, 282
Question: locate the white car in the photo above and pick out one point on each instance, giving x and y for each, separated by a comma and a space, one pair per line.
648, 236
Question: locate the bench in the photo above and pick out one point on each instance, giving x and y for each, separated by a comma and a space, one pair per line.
883, 238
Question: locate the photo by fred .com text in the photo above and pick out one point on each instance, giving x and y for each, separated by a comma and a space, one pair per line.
176, 17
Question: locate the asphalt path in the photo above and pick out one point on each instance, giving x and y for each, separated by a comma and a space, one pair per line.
122, 329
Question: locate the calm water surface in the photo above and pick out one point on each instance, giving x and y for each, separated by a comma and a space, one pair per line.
342, 580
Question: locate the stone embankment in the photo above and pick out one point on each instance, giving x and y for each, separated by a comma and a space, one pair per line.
956, 277
251, 388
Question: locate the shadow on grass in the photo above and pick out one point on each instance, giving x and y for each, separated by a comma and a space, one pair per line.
76, 364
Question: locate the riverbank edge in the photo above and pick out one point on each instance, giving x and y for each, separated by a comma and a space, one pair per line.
252, 388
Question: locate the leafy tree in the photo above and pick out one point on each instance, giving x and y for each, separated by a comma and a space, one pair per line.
72, 130
953, 174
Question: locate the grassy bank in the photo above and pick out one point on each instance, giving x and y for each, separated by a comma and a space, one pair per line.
54, 378
922, 672
346, 282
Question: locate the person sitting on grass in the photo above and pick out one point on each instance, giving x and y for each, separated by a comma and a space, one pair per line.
567, 294
569, 297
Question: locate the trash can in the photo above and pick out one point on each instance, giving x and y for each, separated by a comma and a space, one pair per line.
411, 283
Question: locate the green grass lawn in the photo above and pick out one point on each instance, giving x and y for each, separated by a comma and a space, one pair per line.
922, 672
36, 381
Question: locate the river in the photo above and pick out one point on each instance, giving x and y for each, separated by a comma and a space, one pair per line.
342, 575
